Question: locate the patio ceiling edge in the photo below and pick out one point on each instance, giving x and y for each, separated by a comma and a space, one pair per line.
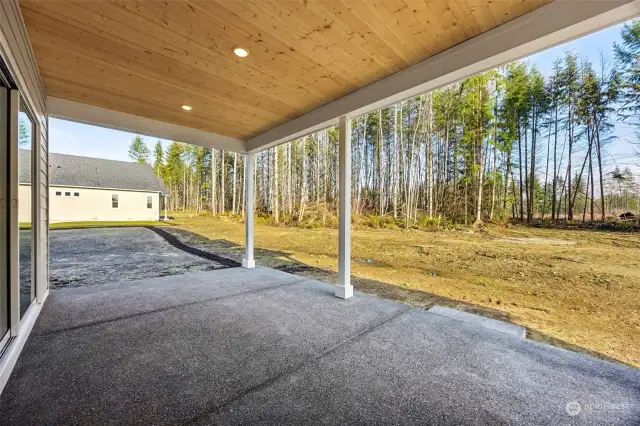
102, 117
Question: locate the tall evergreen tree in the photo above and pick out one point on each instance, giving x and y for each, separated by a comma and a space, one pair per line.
628, 59
173, 174
24, 135
138, 150
570, 90
158, 159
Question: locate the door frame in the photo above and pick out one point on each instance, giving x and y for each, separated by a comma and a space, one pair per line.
14, 182
5, 85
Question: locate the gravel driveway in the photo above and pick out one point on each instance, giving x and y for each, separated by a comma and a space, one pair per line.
105, 255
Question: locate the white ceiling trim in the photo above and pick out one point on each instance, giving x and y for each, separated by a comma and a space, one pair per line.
102, 117
548, 26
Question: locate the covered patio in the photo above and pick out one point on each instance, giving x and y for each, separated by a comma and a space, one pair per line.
258, 346
245, 76
252, 345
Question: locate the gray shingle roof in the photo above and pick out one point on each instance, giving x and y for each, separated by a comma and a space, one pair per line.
71, 170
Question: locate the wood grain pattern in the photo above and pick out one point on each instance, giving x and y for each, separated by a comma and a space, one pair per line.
149, 57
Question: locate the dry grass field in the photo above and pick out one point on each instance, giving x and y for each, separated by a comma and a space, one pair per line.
579, 289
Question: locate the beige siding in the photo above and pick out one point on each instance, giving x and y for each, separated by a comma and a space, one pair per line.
95, 205
24, 203
16, 52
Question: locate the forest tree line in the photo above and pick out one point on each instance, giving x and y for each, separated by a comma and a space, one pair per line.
507, 143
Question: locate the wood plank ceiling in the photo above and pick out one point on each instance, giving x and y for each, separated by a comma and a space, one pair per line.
150, 57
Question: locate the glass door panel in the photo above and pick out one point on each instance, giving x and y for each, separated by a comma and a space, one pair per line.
25, 207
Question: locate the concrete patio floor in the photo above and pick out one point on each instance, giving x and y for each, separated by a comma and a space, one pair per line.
239, 346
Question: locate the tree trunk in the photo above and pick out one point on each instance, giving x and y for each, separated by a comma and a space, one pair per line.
479, 144
303, 192
555, 166
532, 177
569, 177
222, 187
520, 170
235, 167
428, 149
599, 154
395, 161
214, 207
546, 178
276, 189
289, 188
506, 183
495, 175
380, 168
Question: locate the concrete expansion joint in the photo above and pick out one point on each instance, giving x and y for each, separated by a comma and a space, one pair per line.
288, 372
168, 308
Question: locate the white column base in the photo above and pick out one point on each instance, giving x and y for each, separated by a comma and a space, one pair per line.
248, 263
344, 291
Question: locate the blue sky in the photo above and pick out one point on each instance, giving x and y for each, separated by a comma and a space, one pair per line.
90, 141
621, 151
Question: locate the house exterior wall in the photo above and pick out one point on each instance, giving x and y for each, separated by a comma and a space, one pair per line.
95, 205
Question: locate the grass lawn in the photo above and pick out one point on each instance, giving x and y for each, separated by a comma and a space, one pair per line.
574, 288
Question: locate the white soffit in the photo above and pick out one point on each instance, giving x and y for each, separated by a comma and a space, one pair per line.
102, 117
548, 26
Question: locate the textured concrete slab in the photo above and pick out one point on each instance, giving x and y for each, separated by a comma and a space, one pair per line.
175, 365
421, 368
492, 324
259, 346
75, 307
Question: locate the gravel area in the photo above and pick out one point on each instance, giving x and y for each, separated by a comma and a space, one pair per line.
96, 256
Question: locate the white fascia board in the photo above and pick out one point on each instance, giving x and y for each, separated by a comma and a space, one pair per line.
548, 26
102, 117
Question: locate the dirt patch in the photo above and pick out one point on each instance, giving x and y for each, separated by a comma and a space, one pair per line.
536, 240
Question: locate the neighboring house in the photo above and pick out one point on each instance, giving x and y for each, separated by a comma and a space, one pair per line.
87, 189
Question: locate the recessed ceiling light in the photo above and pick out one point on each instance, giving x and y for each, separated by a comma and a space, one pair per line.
241, 52
186, 107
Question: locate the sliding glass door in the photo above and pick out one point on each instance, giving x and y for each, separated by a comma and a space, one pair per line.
18, 163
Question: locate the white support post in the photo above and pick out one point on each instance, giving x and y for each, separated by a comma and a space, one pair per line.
248, 261
344, 289
165, 207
